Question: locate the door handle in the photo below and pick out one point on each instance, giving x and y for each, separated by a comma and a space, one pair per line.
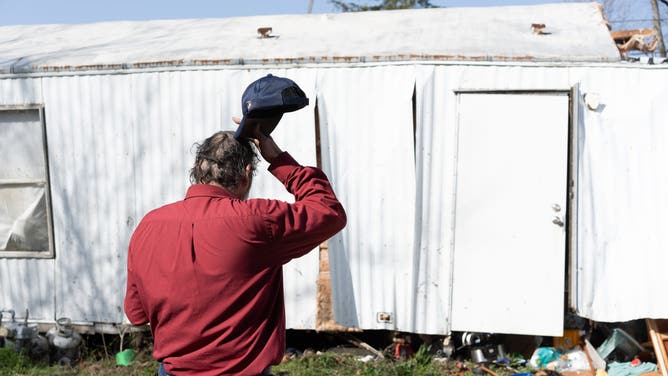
557, 221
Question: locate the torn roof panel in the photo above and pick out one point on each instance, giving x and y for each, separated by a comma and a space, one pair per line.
572, 32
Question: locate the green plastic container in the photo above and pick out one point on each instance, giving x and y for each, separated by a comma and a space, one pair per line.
125, 357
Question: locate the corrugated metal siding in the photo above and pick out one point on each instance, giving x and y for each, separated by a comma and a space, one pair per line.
109, 133
20, 91
623, 182
91, 163
295, 134
435, 147
620, 246
25, 283
367, 147
122, 145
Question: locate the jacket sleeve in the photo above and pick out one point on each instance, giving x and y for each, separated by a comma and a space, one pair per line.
315, 216
132, 305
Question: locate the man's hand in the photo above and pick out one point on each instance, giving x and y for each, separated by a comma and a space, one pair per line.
268, 148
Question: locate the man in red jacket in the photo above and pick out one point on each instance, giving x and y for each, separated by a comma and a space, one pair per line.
206, 272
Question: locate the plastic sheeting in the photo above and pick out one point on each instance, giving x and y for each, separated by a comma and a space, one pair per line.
28, 230
23, 216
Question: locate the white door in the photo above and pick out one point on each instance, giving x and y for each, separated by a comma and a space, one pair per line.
509, 235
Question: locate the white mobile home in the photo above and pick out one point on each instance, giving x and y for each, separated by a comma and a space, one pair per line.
496, 172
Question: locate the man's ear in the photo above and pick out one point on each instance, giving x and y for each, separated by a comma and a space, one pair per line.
249, 170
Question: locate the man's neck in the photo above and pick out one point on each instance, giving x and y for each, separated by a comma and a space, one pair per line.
232, 192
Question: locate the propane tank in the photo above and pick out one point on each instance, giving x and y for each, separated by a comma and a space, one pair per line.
8, 332
24, 338
39, 352
65, 342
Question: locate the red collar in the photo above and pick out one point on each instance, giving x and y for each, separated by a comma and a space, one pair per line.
207, 190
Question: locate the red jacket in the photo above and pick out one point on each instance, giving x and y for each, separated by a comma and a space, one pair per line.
206, 272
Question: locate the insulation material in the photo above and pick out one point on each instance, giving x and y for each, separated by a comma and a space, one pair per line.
368, 153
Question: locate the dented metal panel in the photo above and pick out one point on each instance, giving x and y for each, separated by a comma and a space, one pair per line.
367, 150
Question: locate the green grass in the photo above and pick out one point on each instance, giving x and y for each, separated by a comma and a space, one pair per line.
323, 364
328, 364
14, 364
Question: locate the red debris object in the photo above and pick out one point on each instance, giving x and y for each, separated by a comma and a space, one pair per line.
402, 348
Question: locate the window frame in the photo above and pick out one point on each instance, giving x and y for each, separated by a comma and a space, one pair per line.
50, 252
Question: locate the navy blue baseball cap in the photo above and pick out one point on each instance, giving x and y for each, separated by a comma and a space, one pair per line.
269, 98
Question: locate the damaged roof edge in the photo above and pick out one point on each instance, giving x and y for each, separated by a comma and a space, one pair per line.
537, 33
181, 63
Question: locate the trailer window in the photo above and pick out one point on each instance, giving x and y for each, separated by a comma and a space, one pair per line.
25, 218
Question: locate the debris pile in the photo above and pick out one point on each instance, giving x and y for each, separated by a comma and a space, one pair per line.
620, 354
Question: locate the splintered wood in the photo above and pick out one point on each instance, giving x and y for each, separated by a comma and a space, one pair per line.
643, 40
325, 316
658, 333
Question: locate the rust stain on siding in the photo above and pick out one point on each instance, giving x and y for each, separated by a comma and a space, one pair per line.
279, 61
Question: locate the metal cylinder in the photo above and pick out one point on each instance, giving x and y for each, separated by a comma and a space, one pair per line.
65, 342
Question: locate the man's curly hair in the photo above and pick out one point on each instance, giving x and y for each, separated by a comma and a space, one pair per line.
222, 159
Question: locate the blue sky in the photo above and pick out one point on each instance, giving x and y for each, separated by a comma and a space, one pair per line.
19, 12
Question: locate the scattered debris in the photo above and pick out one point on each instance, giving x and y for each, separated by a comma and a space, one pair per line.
539, 29
265, 32
619, 346
366, 359
402, 347
363, 345
629, 369
642, 40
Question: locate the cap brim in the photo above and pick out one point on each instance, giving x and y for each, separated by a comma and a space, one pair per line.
239, 133
267, 125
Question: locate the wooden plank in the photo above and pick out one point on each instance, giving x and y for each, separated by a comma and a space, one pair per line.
658, 339
627, 34
325, 315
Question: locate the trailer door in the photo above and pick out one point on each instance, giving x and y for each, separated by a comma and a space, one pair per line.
509, 231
